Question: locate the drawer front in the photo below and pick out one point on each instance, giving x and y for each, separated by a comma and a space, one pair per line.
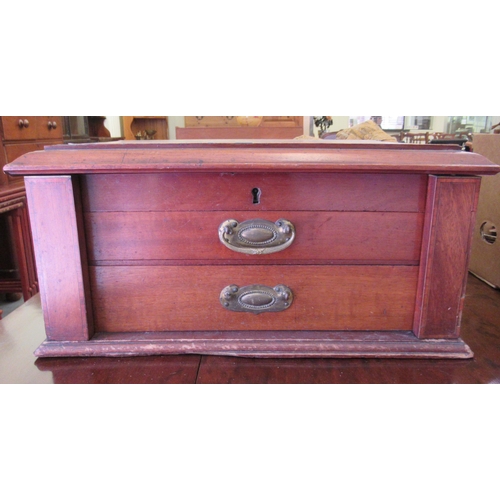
16, 150
187, 298
28, 128
275, 191
361, 237
19, 128
50, 127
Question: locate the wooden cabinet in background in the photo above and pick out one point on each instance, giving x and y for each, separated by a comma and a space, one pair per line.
232, 121
23, 134
20, 135
86, 129
210, 121
137, 127
228, 127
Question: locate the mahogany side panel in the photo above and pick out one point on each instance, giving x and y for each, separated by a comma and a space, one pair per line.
278, 191
450, 218
186, 298
369, 237
57, 240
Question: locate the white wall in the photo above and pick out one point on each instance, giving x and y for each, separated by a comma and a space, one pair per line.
174, 121
114, 125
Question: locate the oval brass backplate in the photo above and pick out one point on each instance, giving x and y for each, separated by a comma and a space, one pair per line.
256, 298
257, 236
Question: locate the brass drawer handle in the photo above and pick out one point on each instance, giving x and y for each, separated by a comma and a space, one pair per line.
257, 236
256, 298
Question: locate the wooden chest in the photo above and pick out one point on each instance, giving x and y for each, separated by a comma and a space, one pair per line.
252, 248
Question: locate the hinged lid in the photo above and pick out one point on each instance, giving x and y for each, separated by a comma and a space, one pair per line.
251, 156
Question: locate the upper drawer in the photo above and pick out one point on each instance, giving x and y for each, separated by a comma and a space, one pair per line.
49, 127
275, 191
25, 128
19, 128
361, 237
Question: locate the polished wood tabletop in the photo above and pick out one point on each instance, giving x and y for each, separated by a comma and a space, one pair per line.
22, 331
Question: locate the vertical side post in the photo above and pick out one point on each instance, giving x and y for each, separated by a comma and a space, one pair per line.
55, 215
449, 222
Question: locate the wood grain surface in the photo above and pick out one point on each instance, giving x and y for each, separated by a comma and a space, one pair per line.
62, 273
23, 330
445, 255
320, 236
278, 191
150, 214
257, 156
172, 298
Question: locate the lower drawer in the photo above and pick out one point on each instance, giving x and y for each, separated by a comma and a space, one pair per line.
186, 298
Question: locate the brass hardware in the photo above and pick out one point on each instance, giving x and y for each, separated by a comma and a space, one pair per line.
51, 125
23, 123
256, 298
488, 232
257, 236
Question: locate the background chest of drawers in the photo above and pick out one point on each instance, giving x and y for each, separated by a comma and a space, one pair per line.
20, 135
265, 248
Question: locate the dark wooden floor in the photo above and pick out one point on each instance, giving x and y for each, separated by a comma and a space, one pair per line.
22, 331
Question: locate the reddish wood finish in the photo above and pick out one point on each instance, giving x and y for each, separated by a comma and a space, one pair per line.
156, 370
359, 308
449, 224
25, 253
279, 191
187, 298
57, 242
270, 344
23, 330
280, 156
334, 236
13, 207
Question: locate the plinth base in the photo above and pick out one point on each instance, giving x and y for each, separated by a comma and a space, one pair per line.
261, 345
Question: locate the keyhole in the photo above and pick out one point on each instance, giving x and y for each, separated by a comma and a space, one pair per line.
256, 192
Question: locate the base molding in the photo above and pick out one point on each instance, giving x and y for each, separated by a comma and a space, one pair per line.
261, 345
